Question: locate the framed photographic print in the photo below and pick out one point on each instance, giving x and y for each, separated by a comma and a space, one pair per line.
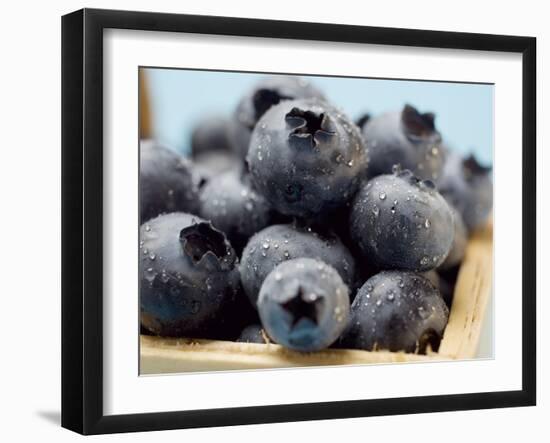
270, 221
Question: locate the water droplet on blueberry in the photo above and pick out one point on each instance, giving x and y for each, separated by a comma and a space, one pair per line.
150, 274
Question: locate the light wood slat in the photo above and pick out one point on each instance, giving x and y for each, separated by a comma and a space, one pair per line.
472, 293
169, 355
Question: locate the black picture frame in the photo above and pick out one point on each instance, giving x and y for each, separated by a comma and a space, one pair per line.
82, 220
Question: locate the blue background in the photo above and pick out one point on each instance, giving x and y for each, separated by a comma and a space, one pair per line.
464, 112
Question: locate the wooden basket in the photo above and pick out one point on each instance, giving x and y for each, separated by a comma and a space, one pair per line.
460, 341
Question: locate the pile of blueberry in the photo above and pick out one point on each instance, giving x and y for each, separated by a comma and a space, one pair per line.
293, 224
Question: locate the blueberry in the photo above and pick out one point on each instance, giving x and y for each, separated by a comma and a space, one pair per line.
396, 311
306, 158
468, 186
143, 331
400, 222
266, 93
211, 164
445, 288
407, 138
460, 240
304, 304
252, 334
234, 207
278, 243
210, 134
166, 182
188, 276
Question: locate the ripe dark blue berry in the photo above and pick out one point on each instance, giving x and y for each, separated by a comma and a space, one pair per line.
407, 138
188, 276
166, 182
400, 222
306, 158
279, 243
396, 311
211, 134
266, 93
445, 288
211, 164
468, 186
252, 334
304, 304
234, 207
460, 240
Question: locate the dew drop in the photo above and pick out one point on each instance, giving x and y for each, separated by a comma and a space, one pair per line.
427, 224
311, 297
147, 228
164, 276
382, 195
150, 274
